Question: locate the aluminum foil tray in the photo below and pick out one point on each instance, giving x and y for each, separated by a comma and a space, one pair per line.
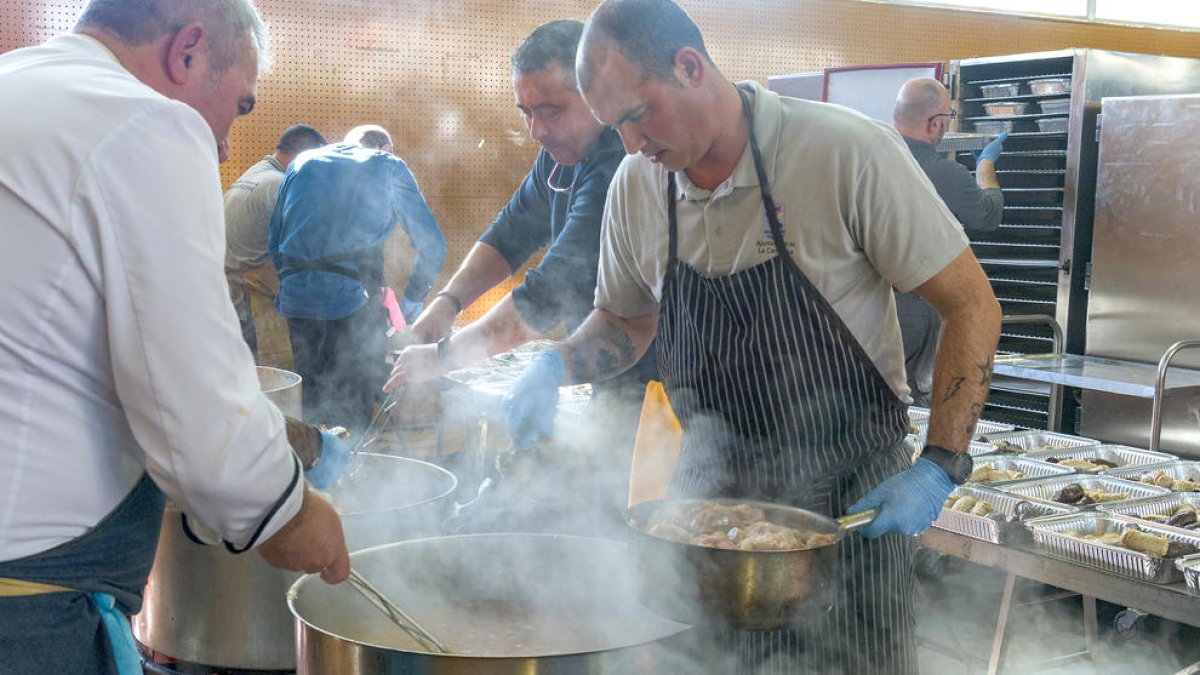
986, 427
1162, 506
1003, 89
1032, 440
1044, 489
1189, 565
1032, 468
1051, 535
1121, 455
1004, 525
916, 413
977, 448
1178, 469
961, 142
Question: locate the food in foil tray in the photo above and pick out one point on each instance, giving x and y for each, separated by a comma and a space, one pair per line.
968, 504
736, 527
1004, 446
1077, 495
1184, 516
1163, 479
1142, 542
1085, 464
986, 473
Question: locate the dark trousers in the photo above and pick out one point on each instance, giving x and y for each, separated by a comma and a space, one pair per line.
919, 328
342, 365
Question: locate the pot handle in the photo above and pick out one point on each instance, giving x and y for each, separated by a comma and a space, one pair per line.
856, 520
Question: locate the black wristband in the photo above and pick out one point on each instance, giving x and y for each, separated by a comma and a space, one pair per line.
443, 354
957, 465
458, 307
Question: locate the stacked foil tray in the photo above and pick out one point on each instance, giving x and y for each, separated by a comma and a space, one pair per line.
1158, 506
1032, 440
1178, 469
1052, 535
1004, 524
1032, 468
1044, 489
1121, 455
1189, 566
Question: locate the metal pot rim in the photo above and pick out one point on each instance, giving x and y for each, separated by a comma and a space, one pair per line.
293, 595
384, 509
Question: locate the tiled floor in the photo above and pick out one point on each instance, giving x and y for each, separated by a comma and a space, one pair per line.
959, 611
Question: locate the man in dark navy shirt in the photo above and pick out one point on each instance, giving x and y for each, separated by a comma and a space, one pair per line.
559, 205
922, 115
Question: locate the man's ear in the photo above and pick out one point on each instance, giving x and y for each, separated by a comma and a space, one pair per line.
184, 51
690, 66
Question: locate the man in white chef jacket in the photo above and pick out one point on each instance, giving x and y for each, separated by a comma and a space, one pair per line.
123, 374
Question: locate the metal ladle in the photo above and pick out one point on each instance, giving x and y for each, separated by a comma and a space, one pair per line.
397, 615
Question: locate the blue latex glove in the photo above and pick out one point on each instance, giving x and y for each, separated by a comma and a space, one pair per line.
908, 502
411, 309
335, 454
991, 151
529, 406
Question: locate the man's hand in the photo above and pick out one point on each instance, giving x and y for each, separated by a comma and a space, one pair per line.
530, 405
312, 541
908, 502
991, 151
436, 321
417, 363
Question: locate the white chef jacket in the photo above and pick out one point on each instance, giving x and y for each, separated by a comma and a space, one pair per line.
119, 350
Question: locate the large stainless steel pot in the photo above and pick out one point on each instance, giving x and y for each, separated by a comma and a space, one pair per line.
207, 606
752, 590
520, 604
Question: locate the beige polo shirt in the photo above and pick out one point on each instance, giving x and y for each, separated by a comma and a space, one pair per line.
858, 214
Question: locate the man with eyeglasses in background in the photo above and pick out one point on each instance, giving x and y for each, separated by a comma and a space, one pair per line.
922, 115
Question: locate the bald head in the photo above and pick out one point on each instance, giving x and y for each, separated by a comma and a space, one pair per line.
920, 110
649, 33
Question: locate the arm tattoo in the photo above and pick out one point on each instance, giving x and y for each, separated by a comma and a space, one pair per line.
604, 357
985, 372
955, 385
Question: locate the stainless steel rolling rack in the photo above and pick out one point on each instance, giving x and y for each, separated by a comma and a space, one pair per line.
1170, 601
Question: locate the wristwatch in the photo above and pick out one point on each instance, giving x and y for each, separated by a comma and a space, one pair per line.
957, 465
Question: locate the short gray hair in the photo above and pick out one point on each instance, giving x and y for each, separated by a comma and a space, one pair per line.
554, 42
139, 22
370, 136
646, 32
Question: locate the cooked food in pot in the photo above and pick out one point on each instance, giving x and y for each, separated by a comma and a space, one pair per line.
735, 527
1163, 479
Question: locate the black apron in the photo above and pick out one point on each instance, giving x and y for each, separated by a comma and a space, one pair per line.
62, 632
779, 402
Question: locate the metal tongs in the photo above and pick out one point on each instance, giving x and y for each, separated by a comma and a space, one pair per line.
368, 437
397, 615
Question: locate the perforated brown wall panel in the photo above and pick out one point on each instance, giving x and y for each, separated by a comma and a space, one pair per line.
435, 73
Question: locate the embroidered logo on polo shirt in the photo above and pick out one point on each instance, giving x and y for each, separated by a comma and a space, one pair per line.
782, 222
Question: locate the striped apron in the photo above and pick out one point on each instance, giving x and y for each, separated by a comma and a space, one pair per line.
57, 611
779, 402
